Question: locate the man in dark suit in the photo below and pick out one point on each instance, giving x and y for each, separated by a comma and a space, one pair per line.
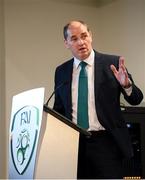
101, 155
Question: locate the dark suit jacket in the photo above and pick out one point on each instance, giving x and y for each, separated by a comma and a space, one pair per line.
107, 97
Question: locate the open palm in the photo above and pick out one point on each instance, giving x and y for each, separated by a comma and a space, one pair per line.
121, 74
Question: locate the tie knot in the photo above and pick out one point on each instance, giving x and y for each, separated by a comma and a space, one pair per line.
83, 64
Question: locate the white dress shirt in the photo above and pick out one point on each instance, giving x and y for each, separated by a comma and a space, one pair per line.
94, 124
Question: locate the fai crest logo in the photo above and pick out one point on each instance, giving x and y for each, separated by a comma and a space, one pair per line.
24, 132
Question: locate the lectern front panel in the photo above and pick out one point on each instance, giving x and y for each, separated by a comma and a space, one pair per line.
57, 156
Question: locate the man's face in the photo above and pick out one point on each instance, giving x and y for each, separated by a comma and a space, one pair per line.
79, 40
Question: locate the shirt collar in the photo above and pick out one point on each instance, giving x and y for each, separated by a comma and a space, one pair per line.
89, 60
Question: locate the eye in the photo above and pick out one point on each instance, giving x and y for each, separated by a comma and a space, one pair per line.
84, 36
74, 39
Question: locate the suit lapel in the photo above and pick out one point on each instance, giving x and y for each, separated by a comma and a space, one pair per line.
98, 74
68, 76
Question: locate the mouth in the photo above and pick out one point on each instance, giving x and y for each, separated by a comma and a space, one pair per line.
82, 49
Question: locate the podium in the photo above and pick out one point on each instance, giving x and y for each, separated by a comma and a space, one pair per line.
42, 143
57, 152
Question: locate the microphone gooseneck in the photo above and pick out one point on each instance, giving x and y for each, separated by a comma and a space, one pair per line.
58, 87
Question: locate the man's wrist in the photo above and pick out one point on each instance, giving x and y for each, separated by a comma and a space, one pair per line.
129, 84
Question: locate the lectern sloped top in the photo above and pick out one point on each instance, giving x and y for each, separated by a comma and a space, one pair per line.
65, 120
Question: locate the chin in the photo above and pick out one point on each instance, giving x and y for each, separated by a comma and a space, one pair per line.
84, 56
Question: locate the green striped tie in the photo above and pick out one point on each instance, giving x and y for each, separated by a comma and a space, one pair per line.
82, 110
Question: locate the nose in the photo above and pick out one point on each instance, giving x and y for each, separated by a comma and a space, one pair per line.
80, 41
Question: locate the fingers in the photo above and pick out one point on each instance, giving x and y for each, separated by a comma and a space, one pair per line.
122, 64
121, 61
113, 68
122, 68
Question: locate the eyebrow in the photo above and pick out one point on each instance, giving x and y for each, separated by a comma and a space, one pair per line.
84, 33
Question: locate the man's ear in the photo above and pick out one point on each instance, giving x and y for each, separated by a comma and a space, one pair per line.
66, 44
90, 32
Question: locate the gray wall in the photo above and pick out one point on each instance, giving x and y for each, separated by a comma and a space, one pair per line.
2, 96
122, 31
34, 46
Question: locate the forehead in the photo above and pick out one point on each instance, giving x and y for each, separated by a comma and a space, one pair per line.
76, 28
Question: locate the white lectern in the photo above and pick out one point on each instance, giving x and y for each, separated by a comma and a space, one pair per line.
58, 147
42, 143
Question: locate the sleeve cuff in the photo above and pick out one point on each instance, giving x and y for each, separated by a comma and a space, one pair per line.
128, 89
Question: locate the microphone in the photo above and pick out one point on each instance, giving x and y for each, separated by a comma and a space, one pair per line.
58, 87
